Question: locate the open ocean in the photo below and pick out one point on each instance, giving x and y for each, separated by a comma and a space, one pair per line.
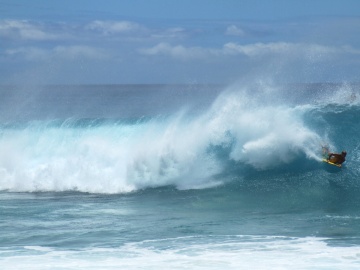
179, 177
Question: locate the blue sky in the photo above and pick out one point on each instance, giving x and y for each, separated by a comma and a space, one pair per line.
169, 41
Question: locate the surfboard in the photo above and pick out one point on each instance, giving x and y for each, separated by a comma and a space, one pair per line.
328, 162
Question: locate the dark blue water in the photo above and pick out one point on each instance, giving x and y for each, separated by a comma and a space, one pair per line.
149, 177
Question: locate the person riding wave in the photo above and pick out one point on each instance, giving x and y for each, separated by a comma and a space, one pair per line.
334, 157
337, 158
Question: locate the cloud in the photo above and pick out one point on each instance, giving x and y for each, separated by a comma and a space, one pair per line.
28, 53
248, 50
175, 32
134, 31
178, 51
22, 29
113, 27
257, 49
58, 53
233, 30
72, 52
350, 49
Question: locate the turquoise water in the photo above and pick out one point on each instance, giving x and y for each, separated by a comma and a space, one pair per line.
232, 179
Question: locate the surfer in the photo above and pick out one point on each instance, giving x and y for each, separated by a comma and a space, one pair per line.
334, 157
337, 158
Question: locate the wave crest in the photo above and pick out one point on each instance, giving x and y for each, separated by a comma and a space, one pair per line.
243, 128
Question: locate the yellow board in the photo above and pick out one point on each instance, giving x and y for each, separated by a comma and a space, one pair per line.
334, 164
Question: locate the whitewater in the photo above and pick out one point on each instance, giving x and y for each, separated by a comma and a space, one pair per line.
179, 177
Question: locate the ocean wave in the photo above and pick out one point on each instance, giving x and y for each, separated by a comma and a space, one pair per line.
242, 130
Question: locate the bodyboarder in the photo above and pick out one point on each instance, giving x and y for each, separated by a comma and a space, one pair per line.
334, 157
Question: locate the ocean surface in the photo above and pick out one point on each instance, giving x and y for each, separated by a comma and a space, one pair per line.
179, 177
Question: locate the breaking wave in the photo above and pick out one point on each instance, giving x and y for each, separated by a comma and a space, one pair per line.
252, 130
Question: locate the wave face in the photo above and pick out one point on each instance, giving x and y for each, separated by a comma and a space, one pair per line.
247, 135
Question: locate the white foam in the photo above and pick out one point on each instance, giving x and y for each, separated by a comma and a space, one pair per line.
227, 252
172, 151
266, 134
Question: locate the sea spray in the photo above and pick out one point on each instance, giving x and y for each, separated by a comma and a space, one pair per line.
250, 127
263, 135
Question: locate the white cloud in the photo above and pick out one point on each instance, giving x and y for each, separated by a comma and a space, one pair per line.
72, 52
233, 30
58, 53
24, 30
178, 51
350, 50
28, 53
113, 27
249, 50
134, 30
176, 32
257, 49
